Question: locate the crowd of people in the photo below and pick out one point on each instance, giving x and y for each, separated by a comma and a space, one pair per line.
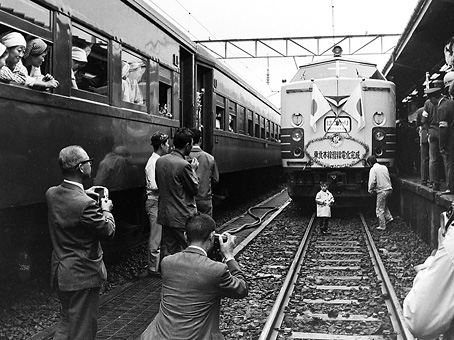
182, 235
428, 308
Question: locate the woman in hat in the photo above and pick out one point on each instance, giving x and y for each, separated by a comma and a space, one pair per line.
14, 71
34, 55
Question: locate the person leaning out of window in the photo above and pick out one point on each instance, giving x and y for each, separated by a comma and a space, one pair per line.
34, 55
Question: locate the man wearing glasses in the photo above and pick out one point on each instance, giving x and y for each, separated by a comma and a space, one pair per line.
76, 224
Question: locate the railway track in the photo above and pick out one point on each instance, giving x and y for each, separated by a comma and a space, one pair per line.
336, 288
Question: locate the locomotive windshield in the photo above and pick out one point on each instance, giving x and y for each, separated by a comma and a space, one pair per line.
338, 68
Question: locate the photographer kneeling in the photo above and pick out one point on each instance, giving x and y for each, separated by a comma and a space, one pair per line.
193, 285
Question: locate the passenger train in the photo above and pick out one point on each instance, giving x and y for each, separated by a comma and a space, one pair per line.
335, 113
175, 83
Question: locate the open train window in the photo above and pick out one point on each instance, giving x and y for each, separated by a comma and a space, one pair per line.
267, 128
241, 119
250, 123
256, 125
32, 66
232, 116
133, 80
262, 127
89, 63
220, 112
165, 92
28, 11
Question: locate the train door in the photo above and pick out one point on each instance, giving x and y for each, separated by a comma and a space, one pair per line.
186, 88
204, 106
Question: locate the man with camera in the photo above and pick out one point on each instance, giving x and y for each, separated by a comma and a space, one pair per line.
193, 285
76, 224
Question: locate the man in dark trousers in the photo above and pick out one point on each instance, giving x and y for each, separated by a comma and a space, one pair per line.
178, 185
446, 121
76, 223
193, 285
207, 171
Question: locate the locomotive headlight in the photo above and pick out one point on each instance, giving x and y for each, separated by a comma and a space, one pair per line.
297, 119
297, 135
379, 134
297, 152
379, 118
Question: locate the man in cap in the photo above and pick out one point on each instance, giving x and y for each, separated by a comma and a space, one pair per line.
446, 125
77, 223
430, 120
160, 143
207, 171
79, 59
178, 185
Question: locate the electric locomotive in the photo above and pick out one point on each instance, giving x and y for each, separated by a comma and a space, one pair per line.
335, 113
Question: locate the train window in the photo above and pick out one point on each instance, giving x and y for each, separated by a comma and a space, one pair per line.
250, 123
257, 125
32, 67
262, 127
165, 92
89, 61
28, 11
232, 116
267, 128
133, 79
241, 119
220, 112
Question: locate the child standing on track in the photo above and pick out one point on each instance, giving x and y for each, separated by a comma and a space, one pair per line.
324, 200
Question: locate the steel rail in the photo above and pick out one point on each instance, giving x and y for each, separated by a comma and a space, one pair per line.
392, 302
274, 320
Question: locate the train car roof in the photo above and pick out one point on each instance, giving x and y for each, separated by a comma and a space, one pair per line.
207, 57
320, 69
420, 48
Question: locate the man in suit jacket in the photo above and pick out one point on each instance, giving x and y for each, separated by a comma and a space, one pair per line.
193, 285
178, 184
76, 224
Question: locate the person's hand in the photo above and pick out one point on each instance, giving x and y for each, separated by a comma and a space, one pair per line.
53, 84
194, 164
228, 246
48, 77
106, 204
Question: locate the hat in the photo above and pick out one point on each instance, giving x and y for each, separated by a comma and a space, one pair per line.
13, 39
432, 91
79, 54
35, 47
435, 86
449, 77
158, 138
2, 49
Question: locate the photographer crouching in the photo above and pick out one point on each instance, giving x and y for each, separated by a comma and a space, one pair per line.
193, 285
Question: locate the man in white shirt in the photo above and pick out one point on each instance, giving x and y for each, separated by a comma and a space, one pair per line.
160, 142
428, 308
380, 183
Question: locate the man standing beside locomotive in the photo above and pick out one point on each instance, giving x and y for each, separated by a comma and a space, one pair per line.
178, 185
207, 172
380, 183
160, 144
76, 224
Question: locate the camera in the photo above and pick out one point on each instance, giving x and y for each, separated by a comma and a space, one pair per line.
215, 253
100, 193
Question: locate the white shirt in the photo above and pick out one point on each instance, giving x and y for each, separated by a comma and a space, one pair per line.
379, 179
150, 176
324, 200
428, 308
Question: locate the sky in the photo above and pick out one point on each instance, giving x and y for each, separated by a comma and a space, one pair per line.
238, 19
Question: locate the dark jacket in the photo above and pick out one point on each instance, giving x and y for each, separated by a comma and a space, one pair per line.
192, 288
76, 224
178, 185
